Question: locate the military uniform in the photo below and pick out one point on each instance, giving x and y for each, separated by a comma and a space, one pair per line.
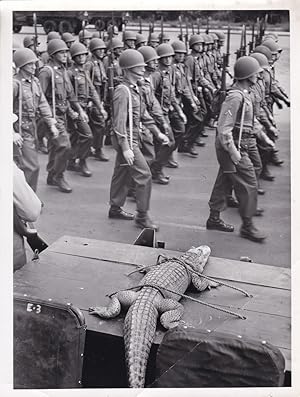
241, 173
139, 171
33, 102
59, 148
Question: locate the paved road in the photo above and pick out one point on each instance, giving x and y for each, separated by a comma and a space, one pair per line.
181, 208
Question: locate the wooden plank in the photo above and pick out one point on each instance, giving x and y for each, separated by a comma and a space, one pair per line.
271, 276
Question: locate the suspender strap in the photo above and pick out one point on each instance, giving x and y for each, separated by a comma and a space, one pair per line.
52, 90
20, 104
130, 114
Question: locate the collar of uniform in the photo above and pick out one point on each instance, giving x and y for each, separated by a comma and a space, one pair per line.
130, 85
163, 68
25, 78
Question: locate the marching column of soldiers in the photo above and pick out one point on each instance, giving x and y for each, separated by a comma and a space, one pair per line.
149, 98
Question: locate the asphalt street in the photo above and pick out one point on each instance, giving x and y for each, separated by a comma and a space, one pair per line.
181, 208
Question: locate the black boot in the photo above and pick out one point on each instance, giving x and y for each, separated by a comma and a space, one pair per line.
232, 202
100, 155
249, 231
275, 159
83, 168
50, 179
72, 165
266, 175
143, 221
119, 213
62, 184
215, 223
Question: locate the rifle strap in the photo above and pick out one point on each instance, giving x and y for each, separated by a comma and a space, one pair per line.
52, 89
20, 104
130, 114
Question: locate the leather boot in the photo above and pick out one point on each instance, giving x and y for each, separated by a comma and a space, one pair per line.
199, 142
72, 165
50, 179
275, 159
172, 163
193, 152
143, 221
266, 175
83, 168
62, 184
119, 213
159, 179
259, 211
260, 191
249, 231
100, 156
215, 223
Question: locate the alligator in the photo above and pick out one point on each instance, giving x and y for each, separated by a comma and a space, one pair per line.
158, 293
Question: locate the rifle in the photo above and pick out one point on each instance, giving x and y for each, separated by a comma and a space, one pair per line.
251, 43
140, 25
198, 25
227, 55
242, 50
186, 36
207, 26
193, 29
263, 27
257, 32
180, 36
35, 42
161, 29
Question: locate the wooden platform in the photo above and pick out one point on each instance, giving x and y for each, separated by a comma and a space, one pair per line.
83, 271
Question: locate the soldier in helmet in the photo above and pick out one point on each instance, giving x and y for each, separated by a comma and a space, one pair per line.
81, 134
85, 37
50, 36
153, 40
114, 50
69, 39
233, 141
98, 78
128, 112
59, 92
28, 102
140, 41
28, 42
164, 38
129, 39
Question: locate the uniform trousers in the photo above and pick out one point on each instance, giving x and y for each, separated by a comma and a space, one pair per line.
244, 182
97, 124
163, 151
139, 172
59, 148
81, 138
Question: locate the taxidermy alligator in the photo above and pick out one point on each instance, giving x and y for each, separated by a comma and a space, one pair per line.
159, 293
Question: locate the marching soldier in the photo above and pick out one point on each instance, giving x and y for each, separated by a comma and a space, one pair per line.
115, 48
98, 78
85, 37
129, 40
234, 136
81, 134
69, 39
50, 36
59, 92
140, 41
29, 102
153, 40
130, 163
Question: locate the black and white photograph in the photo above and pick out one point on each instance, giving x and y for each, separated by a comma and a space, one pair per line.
150, 155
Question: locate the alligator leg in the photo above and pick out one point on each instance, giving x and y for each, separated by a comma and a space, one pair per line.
201, 283
172, 312
121, 299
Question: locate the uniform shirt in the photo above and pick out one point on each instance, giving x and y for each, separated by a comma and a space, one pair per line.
230, 118
83, 87
207, 67
195, 70
121, 114
97, 73
164, 87
182, 85
33, 101
153, 106
64, 92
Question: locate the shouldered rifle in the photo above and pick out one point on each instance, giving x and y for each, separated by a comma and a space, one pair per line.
180, 36
198, 25
242, 50
263, 27
193, 29
227, 55
251, 43
84, 23
161, 29
35, 41
257, 40
186, 36
140, 25
207, 26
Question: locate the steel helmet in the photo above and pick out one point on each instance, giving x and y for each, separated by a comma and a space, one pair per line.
221, 36
148, 53
56, 45
115, 43
273, 36
140, 39
28, 41
23, 56
179, 46
196, 39
97, 44
67, 37
129, 35
78, 49
246, 67
130, 59
272, 45
52, 35
96, 35
85, 34
207, 38
164, 36
154, 37
214, 36
263, 50
165, 50
262, 59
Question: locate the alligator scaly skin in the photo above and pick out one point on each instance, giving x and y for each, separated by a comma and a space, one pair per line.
151, 301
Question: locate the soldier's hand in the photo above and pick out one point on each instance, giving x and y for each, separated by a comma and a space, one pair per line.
17, 139
166, 128
194, 107
129, 156
183, 117
274, 132
236, 158
163, 138
84, 117
104, 114
196, 100
270, 143
54, 131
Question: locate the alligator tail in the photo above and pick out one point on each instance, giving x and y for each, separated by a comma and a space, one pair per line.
139, 333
